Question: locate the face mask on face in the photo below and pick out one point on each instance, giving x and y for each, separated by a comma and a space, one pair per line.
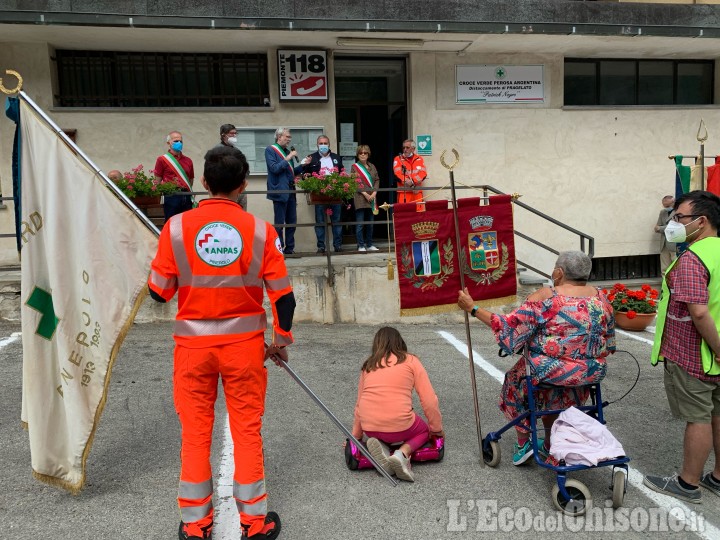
323, 149
177, 146
676, 232
232, 140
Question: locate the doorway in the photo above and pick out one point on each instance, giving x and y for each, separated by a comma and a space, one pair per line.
371, 109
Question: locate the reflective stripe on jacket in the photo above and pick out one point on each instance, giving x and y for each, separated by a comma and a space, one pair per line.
220, 297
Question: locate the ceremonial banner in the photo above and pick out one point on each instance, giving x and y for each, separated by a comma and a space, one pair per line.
487, 257
428, 260
85, 262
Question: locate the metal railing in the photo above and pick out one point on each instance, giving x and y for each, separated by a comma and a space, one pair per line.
586, 242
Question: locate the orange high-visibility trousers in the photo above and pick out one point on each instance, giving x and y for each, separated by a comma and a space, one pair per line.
244, 378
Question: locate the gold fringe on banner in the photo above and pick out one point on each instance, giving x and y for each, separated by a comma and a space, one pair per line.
428, 310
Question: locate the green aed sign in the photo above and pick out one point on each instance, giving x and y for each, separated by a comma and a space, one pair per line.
424, 145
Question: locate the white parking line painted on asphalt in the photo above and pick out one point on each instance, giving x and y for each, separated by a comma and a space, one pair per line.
227, 522
634, 336
635, 477
8, 340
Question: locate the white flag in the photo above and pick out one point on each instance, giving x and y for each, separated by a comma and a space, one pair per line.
85, 261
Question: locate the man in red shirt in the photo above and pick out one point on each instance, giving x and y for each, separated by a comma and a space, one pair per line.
220, 259
178, 168
687, 339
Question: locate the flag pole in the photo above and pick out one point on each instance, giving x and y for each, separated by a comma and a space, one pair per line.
109, 183
462, 286
360, 446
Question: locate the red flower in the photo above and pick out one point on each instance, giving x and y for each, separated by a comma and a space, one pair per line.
619, 287
651, 302
624, 301
653, 293
646, 288
631, 314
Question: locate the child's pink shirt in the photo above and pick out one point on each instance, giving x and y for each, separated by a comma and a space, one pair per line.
384, 400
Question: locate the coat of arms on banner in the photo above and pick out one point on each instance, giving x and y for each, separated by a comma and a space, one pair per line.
426, 262
487, 263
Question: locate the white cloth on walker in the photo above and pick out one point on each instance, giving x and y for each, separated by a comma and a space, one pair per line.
579, 439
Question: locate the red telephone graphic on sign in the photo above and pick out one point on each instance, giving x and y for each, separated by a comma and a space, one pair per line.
302, 85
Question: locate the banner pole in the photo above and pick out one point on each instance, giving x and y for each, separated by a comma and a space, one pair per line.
462, 286
109, 183
360, 446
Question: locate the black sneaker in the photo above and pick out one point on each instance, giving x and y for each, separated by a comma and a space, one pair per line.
206, 533
708, 483
320, 251
270, 531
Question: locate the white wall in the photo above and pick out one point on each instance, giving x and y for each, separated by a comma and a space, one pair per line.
119, 139
602, 171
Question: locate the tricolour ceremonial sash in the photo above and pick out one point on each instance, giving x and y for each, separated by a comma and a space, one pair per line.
367, 180
175, 164
280, 150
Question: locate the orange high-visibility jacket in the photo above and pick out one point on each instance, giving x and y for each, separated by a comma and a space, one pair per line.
412, 168
218, 258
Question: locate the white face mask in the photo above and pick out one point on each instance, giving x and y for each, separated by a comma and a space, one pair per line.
232, 140
676, 232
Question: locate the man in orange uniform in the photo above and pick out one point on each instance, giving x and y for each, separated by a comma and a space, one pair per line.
409, 169
218, 258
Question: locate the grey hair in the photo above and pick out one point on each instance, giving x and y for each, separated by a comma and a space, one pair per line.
576, 265
167, 139
323, 136
279, 131
410, 141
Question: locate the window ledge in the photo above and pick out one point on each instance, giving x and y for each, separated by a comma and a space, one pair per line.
159, 109
635, 107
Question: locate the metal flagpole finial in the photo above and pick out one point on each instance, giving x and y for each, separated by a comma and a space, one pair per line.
12, 90
704, 137
454, 164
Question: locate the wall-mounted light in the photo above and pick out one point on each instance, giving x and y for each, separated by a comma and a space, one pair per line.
386, 43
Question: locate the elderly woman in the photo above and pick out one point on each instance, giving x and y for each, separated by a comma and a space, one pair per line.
565, 332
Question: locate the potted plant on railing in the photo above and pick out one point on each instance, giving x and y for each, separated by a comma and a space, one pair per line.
144, 190
334, 187
634, 310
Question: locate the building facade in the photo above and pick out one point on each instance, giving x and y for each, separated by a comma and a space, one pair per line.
574, 105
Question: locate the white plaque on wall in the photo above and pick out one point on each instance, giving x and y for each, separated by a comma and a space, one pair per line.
302, 75
494, 83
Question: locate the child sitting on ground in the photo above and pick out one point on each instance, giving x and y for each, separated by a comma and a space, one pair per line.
384, 409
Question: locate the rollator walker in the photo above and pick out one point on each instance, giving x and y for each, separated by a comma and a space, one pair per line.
570, 496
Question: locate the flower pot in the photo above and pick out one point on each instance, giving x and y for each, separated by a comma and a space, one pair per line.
319, 198
145, 201
636, 324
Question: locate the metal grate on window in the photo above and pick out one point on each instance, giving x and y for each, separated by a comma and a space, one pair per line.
155, 79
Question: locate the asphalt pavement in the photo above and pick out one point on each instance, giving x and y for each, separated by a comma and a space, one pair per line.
133, 466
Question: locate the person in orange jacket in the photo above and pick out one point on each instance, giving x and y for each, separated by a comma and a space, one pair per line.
409, 169
218, 258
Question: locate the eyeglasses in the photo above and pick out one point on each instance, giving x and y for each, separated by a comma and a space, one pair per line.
678, 217
363, 153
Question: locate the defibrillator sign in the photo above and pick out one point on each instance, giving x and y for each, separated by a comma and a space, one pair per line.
302, 75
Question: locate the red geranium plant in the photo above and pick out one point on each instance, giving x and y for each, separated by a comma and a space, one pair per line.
631, 302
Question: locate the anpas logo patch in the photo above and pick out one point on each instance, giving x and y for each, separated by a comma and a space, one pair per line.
218, 244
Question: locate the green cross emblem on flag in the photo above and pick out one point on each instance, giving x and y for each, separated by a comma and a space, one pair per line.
500, 73
41, 301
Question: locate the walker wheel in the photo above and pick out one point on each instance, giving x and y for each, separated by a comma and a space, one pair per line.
350, 460
492, 456
618, 487
580, 502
